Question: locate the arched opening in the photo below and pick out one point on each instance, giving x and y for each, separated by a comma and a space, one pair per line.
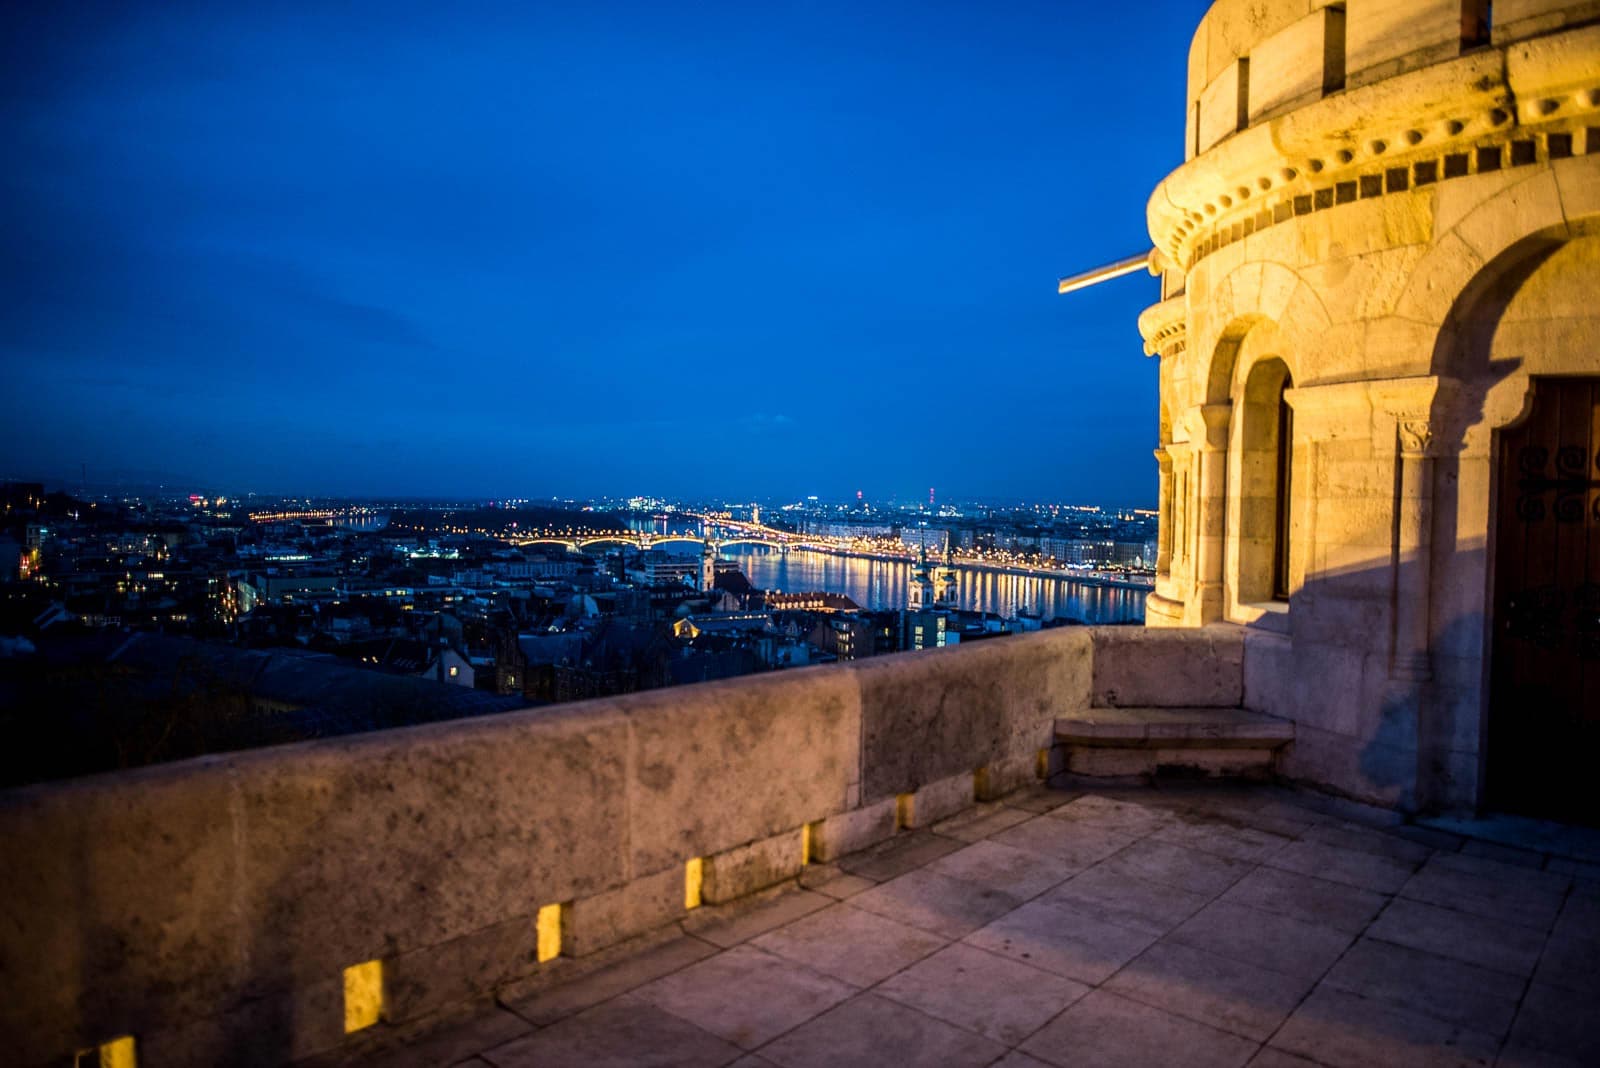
1266, 484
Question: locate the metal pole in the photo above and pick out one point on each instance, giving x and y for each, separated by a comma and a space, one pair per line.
1106, 273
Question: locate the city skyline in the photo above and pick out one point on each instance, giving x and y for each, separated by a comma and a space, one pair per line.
553, 254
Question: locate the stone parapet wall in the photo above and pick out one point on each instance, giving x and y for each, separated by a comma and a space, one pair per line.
210, 908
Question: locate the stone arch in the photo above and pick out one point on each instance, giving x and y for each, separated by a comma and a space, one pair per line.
1485, 242
1523, 312
1253, 295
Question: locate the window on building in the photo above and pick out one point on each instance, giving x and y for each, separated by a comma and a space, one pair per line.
1265, 468
1477, 19
1285, 472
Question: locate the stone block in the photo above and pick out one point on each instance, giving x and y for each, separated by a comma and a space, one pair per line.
1516, 19
1220, 763
929, 716
272, 1029
604, 919
719, 765
116, 887
1136, 667
849, 832
435, 977
1383, 38
1000, 777
756, 866
1110, 763
479, 821
943, 798
1295, 65
1222, 104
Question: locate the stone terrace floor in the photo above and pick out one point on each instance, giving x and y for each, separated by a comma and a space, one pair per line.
1193, 925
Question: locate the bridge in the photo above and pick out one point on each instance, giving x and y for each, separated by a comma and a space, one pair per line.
578, 540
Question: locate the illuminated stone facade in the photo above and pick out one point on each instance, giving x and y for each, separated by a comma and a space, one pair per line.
1386, 231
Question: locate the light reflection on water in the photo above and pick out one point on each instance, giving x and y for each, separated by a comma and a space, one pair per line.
881, 584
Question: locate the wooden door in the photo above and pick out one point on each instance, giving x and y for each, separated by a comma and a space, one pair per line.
1544, 714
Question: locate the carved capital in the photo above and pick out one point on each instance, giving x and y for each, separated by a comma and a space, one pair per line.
1416, 437
1164, 461
1216, 418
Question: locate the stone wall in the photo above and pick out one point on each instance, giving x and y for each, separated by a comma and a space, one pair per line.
1411, 239
210, 908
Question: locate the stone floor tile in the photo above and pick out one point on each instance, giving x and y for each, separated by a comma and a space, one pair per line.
1571, 963
1265, 939
751, 1060
932, 902
1039, 799
980, 821
869, 1030
555, 1003
1351, 867
1201, 986
860, 947
1107, 1031
1367, 840
1518, 1056
1462, 994
1443, 841
1310, 900
1050, 935
1079, 844
1579, 869
1488, 888
1267, 1057
1224, 840
1254, 810
1018, 1059
1111, 814
1462, 936
900, 854
742, 920
449, 1045
1017, 872
745, 995
623, 1033
1342, 1030
832, 880
1560, 1022
995, 996
1579, 918
1174, 865
1521, 858
1129, 900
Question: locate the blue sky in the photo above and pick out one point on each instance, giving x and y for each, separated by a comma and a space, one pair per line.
741, 250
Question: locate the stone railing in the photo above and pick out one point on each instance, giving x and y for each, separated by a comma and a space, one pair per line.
261, 906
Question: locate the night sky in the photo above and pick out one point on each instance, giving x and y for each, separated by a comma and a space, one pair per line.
748, 249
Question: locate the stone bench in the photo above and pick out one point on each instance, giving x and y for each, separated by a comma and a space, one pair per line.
1191, 741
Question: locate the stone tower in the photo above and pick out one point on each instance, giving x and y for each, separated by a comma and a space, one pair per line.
1380, 410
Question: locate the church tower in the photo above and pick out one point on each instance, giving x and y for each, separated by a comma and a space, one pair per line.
919, 591
708, 563
944, 579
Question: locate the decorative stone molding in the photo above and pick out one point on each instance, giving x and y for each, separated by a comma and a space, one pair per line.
1487, 110
1165, 327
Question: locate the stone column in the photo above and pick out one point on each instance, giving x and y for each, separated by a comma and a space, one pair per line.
1213, 478
1411, 660
1164, 530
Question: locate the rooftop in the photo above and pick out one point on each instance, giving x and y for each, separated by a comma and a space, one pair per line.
1197, 924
